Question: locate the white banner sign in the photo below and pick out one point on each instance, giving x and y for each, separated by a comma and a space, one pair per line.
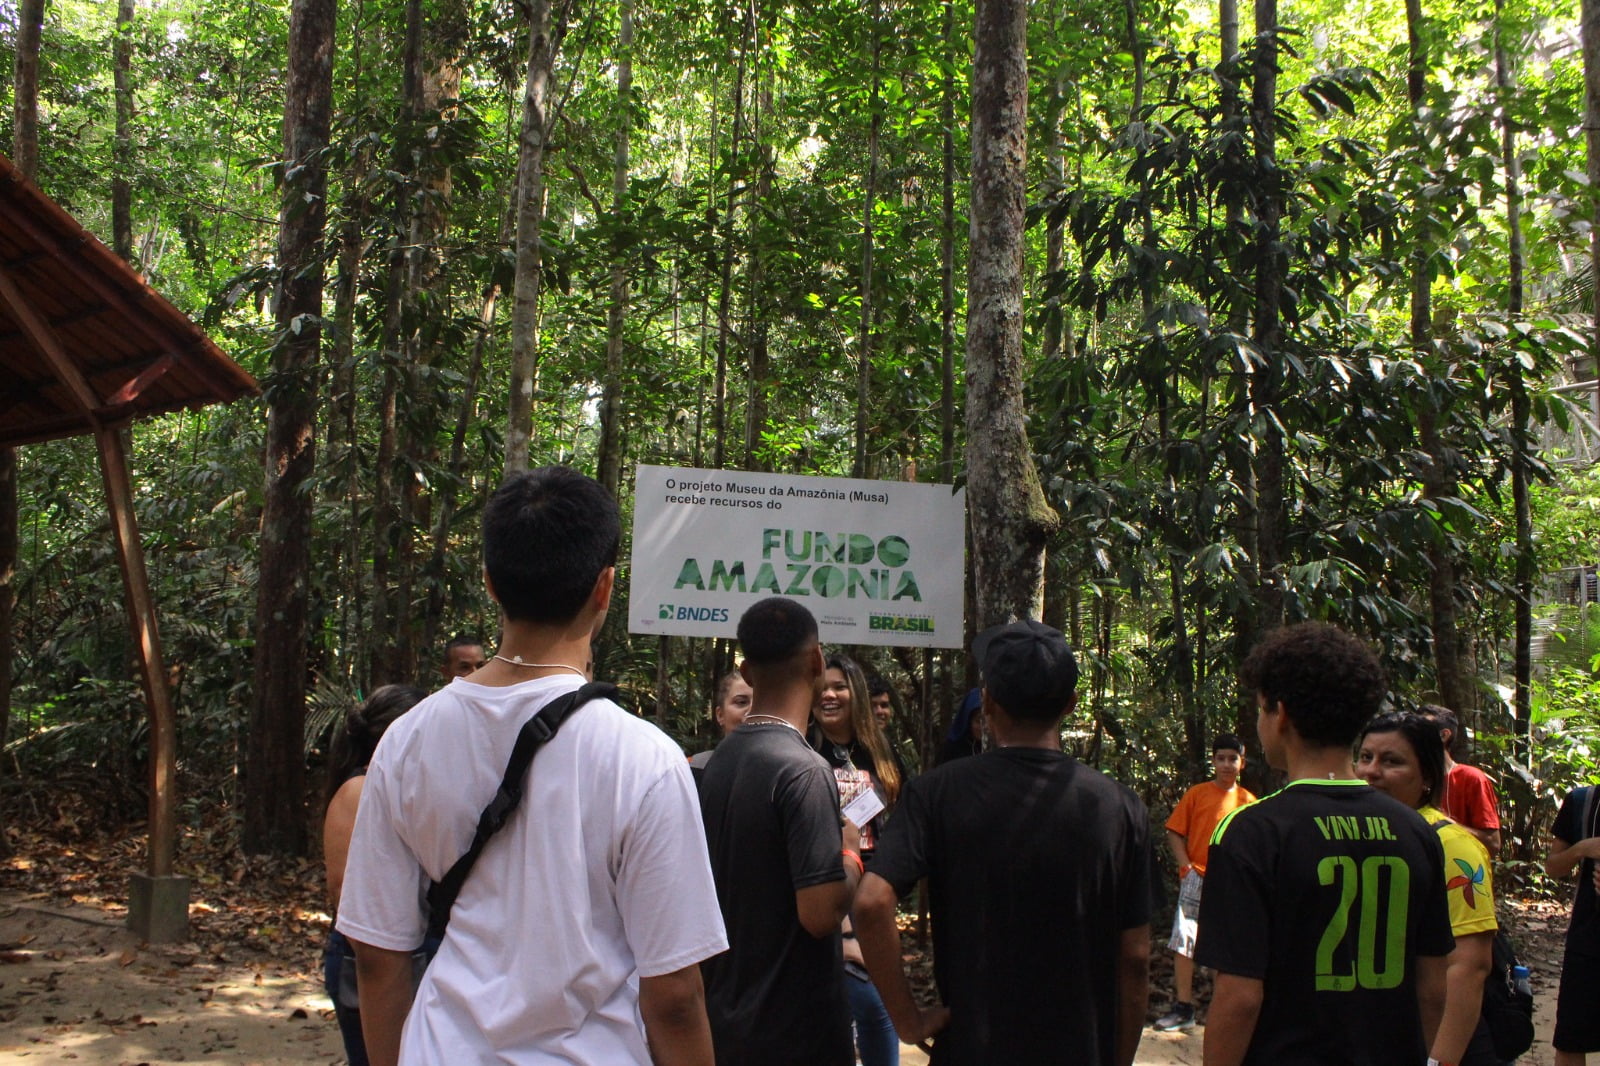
877, 562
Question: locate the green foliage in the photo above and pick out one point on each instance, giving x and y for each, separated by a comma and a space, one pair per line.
1144, 424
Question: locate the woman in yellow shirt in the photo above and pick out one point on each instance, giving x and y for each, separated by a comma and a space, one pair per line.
1402, 754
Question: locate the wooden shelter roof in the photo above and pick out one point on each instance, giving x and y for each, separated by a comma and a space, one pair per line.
83, 340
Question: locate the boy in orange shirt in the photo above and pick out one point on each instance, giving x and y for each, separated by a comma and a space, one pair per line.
1189, 835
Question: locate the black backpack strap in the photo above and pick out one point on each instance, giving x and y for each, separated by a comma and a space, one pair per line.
535, 733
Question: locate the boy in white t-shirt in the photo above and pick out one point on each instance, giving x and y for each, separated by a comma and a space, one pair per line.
577, 936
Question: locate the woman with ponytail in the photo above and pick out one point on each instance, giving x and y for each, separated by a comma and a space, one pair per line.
348, 756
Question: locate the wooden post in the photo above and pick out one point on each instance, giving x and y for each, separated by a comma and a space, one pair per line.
147, 644
158, 901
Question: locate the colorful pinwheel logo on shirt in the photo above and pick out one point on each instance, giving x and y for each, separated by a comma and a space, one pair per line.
1469, 881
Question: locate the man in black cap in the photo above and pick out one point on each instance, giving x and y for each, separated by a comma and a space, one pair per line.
1040, 871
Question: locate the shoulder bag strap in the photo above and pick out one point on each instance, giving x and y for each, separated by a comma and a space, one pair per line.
535, 733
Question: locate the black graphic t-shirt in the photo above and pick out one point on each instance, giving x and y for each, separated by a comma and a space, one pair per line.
854, 772
1327, 892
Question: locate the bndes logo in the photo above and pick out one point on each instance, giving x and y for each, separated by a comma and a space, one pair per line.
692, 614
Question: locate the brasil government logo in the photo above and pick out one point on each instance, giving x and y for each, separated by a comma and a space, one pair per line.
896, 623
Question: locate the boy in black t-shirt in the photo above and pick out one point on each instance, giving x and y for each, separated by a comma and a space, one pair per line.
1324, 914
771, 810
1039, 875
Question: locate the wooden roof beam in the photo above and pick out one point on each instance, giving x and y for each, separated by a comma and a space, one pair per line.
45, 340
134, 307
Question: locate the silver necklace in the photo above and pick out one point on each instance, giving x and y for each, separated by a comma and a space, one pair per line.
751, 719
516, 660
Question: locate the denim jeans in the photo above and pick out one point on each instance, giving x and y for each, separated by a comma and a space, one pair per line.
876, 1042
333, 956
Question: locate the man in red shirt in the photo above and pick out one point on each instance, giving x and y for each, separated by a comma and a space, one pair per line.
1469, 797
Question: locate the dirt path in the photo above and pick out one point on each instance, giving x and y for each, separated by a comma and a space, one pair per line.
76, 987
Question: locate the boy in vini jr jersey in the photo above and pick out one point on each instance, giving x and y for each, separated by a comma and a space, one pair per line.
1324, 913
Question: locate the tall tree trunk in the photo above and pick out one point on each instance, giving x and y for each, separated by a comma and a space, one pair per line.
391, 663
1246, 612
543, 45
1266, 382
757, 403
610, 458
25, 88
947, 255
425, 406
1591, 37
1056, 183
1008, 515
449, 495
342, 437
719, 396
1521, 412
25, 154
1439, 479
869, 202
1591, 126
272, 784
122, 142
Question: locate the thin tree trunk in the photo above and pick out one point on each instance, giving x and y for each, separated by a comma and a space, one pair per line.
947, 257
25, 88
719, 398
543, 45
272, 783
1438, 477
450, 493
757, 404
869, 201
343, 444
1591, 125
390, 663
1267, 331
423, 408
1246, 614
1521, 413
1055, 228
122, 142
25, 154
1008, 515
610, 458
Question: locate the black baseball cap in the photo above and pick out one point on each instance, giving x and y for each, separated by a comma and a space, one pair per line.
1028, 668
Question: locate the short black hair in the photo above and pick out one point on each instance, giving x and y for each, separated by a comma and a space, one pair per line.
774, 630
1422, 733
1329, 682
1443, 718
877, 686
464, 640
548, 534
1227, 742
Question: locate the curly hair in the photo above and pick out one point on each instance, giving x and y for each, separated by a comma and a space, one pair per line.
1328, 681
